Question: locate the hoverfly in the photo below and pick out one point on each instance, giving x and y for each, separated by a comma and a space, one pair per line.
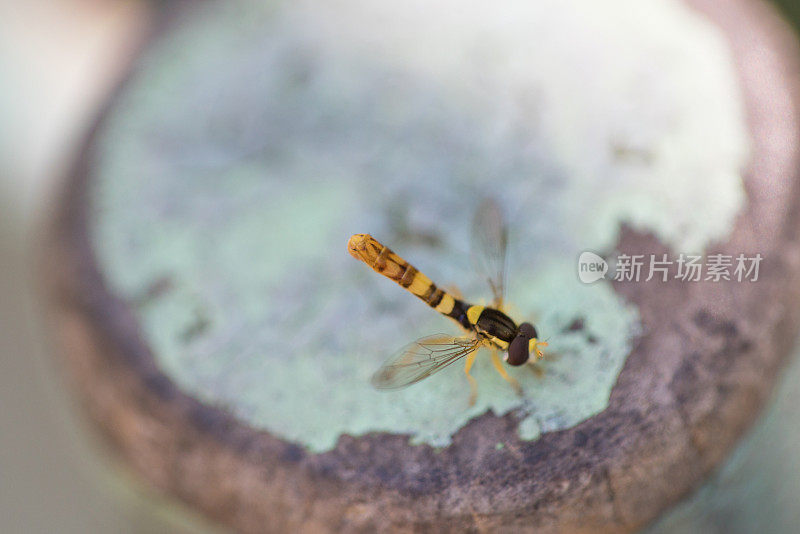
486, 326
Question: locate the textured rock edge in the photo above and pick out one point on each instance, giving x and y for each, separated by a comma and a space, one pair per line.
694, 382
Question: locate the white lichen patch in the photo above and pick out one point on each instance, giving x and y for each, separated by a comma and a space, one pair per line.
254, 141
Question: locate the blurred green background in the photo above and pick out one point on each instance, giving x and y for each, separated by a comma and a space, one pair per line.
790, 8
58, 61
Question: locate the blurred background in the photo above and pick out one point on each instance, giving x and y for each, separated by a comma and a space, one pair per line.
59, 59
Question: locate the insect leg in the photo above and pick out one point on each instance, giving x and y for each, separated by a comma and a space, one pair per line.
536, 351
535, 347
502, 370
473, 384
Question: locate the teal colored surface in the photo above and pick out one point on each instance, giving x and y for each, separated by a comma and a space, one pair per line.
253, 141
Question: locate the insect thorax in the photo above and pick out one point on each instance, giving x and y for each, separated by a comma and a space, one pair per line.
496, 324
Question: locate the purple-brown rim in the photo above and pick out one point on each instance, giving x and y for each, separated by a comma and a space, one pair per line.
693, 383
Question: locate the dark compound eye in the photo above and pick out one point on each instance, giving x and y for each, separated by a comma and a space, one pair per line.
518, 350
528, 330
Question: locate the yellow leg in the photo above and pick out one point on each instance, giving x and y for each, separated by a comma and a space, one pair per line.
535, 349
473, 384
502, 370
537, 355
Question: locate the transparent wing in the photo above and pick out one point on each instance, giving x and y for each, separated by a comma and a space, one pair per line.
421, 359
489, 243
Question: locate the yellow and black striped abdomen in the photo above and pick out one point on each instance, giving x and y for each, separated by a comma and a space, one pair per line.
383, 260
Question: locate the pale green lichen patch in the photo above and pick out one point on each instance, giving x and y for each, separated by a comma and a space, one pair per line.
254, 141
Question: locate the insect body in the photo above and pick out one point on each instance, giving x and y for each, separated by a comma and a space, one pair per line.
486, 326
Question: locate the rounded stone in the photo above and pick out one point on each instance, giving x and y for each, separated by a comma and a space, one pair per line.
223, 338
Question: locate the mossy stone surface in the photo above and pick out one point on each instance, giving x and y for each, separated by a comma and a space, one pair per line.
223, 338
243, 155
